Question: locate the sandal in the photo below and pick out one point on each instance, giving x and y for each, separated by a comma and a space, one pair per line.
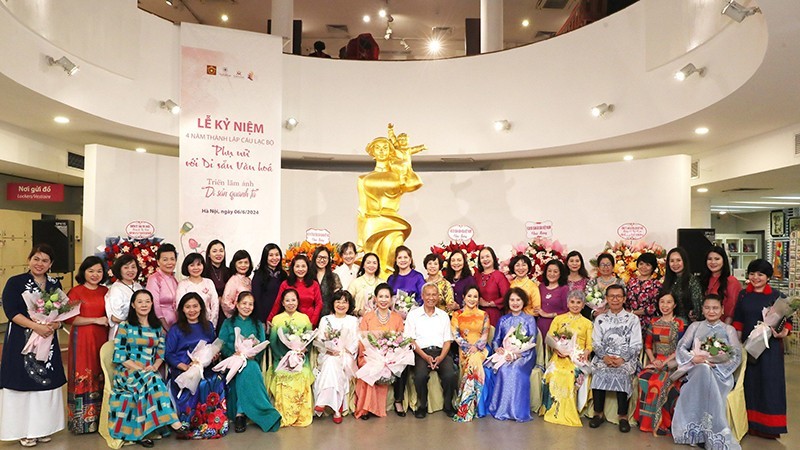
26, 442
146, 443
44, 439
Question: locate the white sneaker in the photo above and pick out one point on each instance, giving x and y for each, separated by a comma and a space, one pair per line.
25, 442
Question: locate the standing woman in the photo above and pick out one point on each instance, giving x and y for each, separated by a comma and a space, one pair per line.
605, 278
553, 291
291, 390
193, 267
683, 285
522, 267
31, 399
371, 400
470, 328
405, 278
644, 289
88, 333
492, 284
433, 267
118, 297
217, 271
717, 279
267, 280
203, 412
511, 396
348, 270
765, 378
321, 271
247, 395
459, 275
137, 385
164, 286
363, 287
241, 267
578, 275
306, 289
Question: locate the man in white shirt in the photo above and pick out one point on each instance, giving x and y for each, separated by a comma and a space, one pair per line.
429, 327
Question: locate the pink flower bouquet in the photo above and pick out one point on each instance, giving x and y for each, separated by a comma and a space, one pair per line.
296, 340
404, 303
386, 356
338, 342
201, 357
246, 348
515, 343
44, 308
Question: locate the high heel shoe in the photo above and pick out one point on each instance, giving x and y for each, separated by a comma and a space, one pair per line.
398, 409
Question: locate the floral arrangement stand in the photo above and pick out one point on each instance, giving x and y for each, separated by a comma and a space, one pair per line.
540, 251
626, 253
470, 250
144, 250
307, 248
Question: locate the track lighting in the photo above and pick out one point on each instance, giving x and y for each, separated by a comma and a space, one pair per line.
70, 67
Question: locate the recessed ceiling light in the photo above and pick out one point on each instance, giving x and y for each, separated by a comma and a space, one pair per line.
366, 18
628, 158
702, 190
526, 22
141, 150
722, 213
701, 130
382, 13
60, 119
224, 17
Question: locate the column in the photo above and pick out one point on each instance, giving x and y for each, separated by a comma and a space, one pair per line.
491, 25
282, 16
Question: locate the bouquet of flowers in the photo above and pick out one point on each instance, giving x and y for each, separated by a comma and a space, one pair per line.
595, 298
43, 308
515, 343
246, 348
336, 341
540, 251
404, 303
296, 339
144, 250
714, 349
201, 357
561, 340
470, 250
774, 316
626, 255
307, 248
565, 341
386, 354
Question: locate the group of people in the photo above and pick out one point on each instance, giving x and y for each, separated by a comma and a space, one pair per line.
479, 331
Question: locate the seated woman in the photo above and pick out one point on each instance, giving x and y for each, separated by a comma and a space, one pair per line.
701, 412
511, 396
470, 328
660, 343
371, 399
337, 341
561, 375
247, 395
617, 342
291, 390
203, 412
139, 402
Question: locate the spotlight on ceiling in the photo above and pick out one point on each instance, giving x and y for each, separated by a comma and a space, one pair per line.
434, 45
366, 18
502, 125
688, 70
290, 123
169, 2
388, 34
738, 12
601, 109
382, 13
70, 67
405, 45
170, 106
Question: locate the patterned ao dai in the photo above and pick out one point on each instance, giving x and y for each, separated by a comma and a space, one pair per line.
616, 335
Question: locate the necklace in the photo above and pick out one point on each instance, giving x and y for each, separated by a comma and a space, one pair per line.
485, 279
42, 286
216, 274
383, 321
129, 287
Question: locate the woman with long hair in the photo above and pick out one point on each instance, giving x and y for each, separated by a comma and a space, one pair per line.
267, 281
321, 271
217, 271
240, 269
491, 283
716, 278
363, 287
578, 275
458, 273
309, 296
683, 285
553, 291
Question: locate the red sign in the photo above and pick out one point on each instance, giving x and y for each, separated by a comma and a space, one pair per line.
140, 229
631, 231
35, 192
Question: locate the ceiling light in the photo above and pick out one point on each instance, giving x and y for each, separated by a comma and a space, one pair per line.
722, 213
502, 125
169, 2
61, 119
701, 130
627, 158
434, 46
224, 17
366, 18
688, 70
738, 12
388, 34
64, 63
382, 13
702, 190
526, 22
171, 106
290, 123
405, 45
141, 150
601, 109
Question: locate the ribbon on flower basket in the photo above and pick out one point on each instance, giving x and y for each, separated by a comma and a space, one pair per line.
515, 343
246, 348
385, 357
293, 360
45, 308
201, 357
758, 339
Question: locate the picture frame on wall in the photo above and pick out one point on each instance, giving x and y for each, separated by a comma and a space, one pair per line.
794, 224
777, 220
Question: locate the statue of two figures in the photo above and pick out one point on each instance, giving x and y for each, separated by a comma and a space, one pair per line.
380, 228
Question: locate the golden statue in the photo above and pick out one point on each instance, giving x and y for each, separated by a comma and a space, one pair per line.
380, 227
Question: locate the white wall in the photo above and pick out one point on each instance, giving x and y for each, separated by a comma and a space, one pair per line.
586, 204
121, 186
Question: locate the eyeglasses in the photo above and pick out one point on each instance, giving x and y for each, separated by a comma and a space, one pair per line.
606, 265
322, 258
615, 296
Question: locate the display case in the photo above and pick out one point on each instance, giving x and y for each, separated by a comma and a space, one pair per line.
741, 249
